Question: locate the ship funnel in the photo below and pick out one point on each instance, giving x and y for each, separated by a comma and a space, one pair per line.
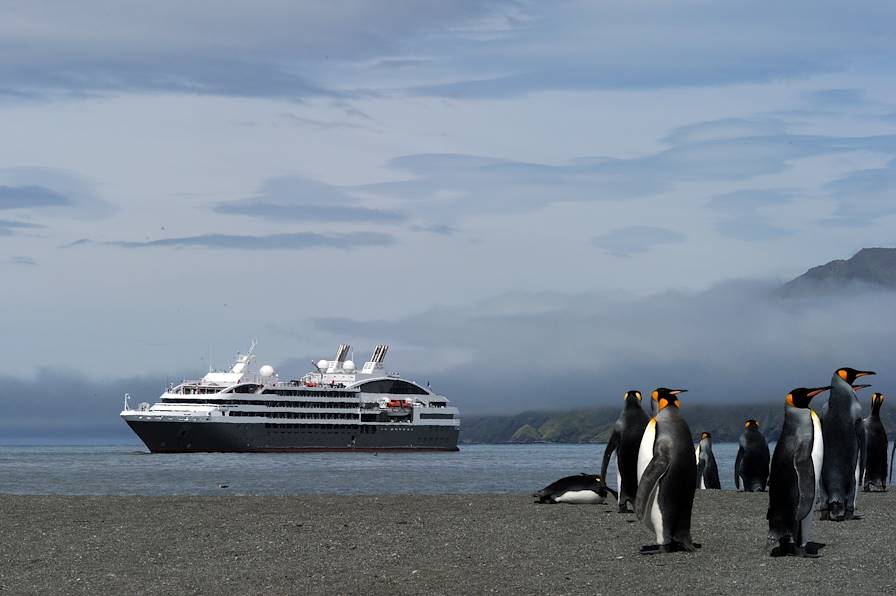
376, 360
341, 355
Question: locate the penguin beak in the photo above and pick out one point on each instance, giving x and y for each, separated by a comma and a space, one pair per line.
863, 373
677, 391
813, 392
860, 386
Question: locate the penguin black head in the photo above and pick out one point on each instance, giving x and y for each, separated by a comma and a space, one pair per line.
665, 397
877, 399
800, 397
751, 424
850, 374
705, 435
633, 394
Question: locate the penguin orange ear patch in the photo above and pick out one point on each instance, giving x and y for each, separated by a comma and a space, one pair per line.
663, 402
655, 394
789, 399
842, 374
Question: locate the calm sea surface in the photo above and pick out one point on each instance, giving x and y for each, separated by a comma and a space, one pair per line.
129, 470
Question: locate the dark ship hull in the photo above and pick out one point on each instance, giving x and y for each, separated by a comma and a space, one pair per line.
189, 437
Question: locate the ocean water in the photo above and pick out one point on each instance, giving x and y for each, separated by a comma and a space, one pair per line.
129, 470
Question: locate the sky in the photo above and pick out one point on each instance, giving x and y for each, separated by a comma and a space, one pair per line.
517, 196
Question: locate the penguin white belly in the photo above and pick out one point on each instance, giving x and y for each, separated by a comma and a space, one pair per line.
654, 515
645, 451
618, 478
579, 497
702, 483
817, 448
817, 460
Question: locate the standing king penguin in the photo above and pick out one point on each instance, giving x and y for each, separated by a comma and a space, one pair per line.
707, 470
626, 441
666, 472
793, 483
844, 446
875, 479
751, 464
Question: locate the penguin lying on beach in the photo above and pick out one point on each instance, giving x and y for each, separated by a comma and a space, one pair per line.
576, 490
751, 464
707, 470
625, 441
794, 479
875, 479
844, 446
666, 472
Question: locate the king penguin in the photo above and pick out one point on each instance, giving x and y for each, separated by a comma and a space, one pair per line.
751, 463
707, 470
793, 482
875, 479
576, 490
666, 472
844, 444
626, 441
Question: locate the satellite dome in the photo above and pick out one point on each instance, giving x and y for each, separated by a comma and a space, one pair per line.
266, 371
348, 365
322, 364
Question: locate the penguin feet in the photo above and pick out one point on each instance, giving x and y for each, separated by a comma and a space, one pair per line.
810, 550
624, 508
851, 514
651, 549
836, 511
672, 547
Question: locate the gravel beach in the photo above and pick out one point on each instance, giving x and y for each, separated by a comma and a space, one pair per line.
470, 544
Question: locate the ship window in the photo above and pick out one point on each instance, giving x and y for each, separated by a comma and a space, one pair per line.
393, 386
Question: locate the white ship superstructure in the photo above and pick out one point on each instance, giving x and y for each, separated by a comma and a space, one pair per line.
333, 407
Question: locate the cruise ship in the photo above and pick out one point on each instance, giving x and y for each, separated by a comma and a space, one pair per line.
335, 407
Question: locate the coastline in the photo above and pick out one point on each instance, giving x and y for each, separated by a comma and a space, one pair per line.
408, 544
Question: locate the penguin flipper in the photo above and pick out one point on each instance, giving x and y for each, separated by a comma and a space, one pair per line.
738, 462
608, 452
655, 471
861, 439
805, 474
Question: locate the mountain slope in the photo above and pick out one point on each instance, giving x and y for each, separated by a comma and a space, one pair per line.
872, 266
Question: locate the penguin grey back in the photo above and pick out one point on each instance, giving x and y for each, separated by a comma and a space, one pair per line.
844, 439
625, 441
752, 462
793, 480
707, 470
875, 477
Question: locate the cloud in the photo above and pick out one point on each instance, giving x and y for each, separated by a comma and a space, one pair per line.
31, 402
443, 185
743, 214
734, 343
269, 49
27, 261
28, 196
53, 191
835, 98
864, 196
294, 241
9, 228
726, 128
636, 45
439, 229
625, 242
465, 48
302, 199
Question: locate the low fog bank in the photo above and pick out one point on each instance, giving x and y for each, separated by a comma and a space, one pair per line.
737, 343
